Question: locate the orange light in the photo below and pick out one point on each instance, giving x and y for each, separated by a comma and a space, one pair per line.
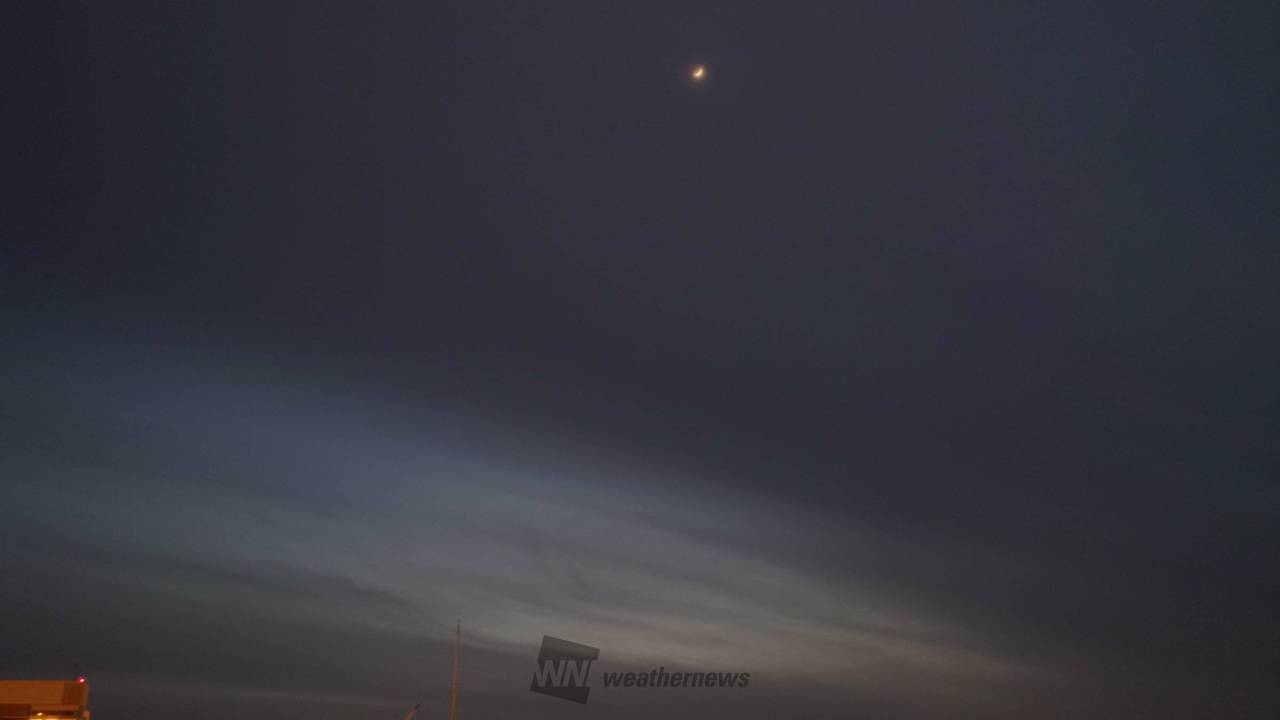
699, 72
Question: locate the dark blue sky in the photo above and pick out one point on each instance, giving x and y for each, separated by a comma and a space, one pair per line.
921, 361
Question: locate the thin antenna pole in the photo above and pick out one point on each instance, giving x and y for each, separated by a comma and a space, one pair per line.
453, 693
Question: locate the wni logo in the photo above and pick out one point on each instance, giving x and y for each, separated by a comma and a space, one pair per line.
563, 669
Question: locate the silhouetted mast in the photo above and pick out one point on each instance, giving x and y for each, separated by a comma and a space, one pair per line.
453, 692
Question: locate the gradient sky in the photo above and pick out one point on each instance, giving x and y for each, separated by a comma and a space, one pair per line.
921, 361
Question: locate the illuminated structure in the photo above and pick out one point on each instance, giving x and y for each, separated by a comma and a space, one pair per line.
44, 699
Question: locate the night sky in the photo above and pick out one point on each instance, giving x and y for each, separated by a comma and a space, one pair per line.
921, 359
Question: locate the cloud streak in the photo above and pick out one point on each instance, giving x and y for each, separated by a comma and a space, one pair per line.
355, 521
